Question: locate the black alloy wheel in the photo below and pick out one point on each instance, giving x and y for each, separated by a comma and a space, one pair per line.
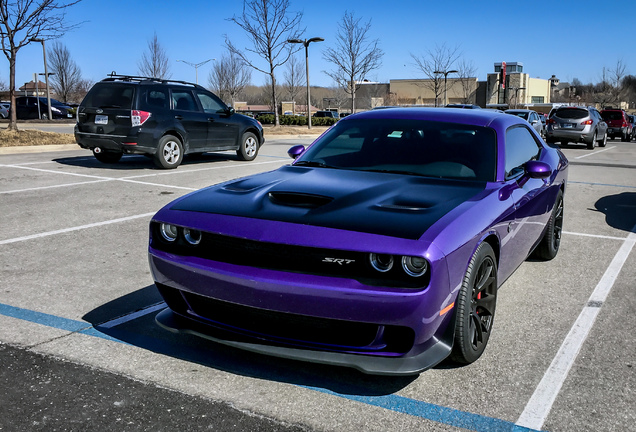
548, 248
476, 304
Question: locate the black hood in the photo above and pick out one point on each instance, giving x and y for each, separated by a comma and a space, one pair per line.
379, 203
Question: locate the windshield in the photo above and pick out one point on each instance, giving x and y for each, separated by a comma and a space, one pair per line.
413, 147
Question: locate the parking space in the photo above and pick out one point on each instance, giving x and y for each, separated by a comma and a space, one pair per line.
76, 285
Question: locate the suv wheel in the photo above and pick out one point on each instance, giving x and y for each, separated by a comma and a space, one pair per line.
592, 143
169, 152
248, 149
107, 157
625, 136
603, 141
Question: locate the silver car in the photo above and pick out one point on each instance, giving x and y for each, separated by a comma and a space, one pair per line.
577, 124
4, 110
531, 117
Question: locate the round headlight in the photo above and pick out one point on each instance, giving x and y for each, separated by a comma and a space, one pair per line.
381, 262
414, 266
169, 232
192, 236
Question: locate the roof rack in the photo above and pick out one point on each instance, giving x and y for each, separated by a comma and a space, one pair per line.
113, 76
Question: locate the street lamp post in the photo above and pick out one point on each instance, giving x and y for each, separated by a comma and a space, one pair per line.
516, 89
196, 67
445, 73
46, 78
306, 43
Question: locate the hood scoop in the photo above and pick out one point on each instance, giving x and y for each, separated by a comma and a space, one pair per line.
296, 199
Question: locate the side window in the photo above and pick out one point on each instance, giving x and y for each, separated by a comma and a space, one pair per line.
520, 148
210, 105
157, 97
183, 100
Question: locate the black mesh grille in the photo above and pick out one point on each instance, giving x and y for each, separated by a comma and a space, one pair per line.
290, 329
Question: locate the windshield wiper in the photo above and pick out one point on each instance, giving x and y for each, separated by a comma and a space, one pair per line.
110, 106
413, 173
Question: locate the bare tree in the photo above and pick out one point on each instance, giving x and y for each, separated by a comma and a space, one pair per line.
294, 78
441, 59
66, 75
229, 77
354, 54
25, 21
269, 24
80, 90
467, 72
154, 63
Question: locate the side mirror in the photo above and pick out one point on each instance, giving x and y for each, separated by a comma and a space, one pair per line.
538, 169
296, 151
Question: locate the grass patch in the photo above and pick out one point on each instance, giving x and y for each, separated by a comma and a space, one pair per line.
33, 137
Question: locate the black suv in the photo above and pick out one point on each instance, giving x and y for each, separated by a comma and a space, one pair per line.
163, 119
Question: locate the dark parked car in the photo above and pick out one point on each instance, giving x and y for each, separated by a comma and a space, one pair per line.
531, 117
463, 106
328, 114
381, 247
27, 108
577, 124
163, 119
4, 109
618, 124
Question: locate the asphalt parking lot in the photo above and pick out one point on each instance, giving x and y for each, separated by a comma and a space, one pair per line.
77, 295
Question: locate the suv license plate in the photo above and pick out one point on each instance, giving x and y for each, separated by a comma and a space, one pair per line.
565, 125
101, 119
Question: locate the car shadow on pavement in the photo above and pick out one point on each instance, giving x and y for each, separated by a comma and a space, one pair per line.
619, 209
144, 333
136, 162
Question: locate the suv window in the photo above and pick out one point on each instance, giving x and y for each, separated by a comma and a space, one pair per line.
210, 105
157, 98
184, 101
571, 113
110, 96
520, 148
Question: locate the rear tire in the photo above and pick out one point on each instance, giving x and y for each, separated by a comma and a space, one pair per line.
169, 152
107, 157
476, 304
603, 141
248, 148
591, 144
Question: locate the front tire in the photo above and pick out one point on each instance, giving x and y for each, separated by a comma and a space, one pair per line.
603, 141
476, 304
169, 152
549, 246
248, 149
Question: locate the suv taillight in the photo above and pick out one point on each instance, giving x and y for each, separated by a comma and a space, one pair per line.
588, 122
551, 121
139, 117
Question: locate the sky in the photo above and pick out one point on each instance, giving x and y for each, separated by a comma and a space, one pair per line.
569, 39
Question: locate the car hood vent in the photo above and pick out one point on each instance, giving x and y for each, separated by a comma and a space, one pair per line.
295, 199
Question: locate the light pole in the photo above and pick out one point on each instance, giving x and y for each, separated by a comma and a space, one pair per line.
516, 89
306, 43
196, 67
445, 73
46, 78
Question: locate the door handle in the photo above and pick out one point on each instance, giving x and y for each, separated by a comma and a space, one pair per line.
178, 117
210, 119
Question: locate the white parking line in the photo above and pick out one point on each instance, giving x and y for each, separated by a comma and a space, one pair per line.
540, 404
77, 228
595, 153
54, 186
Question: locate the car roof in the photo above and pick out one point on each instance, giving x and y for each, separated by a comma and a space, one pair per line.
486, 118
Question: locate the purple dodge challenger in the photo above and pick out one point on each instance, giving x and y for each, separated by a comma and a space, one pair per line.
381, 247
